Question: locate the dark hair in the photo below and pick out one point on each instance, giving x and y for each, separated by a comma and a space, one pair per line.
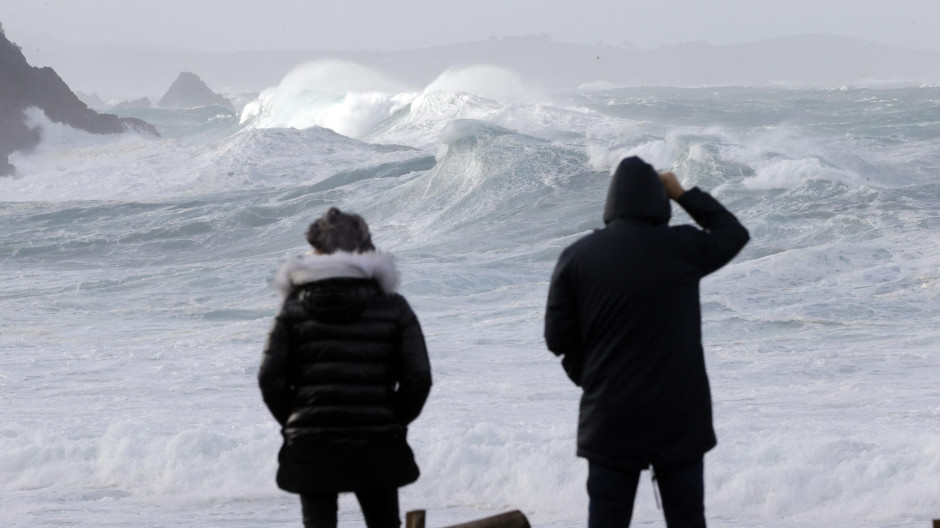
341, 231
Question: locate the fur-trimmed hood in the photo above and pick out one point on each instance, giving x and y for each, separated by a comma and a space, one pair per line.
304, 269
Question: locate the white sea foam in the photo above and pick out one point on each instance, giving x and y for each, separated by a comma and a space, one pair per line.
791, 173
134, 283
598, 86
346, 97
353, 100
483, 80
660, 153
70, 164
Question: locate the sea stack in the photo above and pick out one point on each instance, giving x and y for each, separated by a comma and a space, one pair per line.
188, 91
91, 100
143, 102
22, 86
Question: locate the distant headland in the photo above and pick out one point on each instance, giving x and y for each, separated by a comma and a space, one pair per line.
23, 86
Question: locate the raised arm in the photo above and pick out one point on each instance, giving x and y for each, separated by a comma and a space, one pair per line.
723, 235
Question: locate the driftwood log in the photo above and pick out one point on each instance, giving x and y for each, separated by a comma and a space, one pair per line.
414, 519
512, 519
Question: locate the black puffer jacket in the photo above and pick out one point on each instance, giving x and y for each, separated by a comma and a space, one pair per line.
623, 310
345, 370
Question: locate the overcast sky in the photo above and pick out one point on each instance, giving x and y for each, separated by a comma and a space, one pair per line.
234, 25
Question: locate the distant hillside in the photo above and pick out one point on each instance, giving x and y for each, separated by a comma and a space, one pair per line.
805, 61
23, 86
808, 60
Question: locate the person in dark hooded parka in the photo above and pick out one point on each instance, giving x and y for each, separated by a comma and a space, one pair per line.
623, 312
344, 371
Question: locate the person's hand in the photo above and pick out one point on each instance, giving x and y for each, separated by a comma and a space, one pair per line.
673, 187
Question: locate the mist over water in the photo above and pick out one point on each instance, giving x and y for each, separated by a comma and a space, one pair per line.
135, 286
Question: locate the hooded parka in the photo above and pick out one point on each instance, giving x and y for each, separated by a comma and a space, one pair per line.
623, 311
344, 371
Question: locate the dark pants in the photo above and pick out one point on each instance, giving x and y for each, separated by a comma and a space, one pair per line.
612, 491
379, 507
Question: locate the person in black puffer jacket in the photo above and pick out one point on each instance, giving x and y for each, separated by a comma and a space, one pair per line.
344, 371
623, 311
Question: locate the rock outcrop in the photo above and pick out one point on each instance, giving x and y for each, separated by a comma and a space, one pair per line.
92, 100
23, 86
188, 91
143, 102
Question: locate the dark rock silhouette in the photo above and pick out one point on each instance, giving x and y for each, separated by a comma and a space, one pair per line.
23, 86
188, 91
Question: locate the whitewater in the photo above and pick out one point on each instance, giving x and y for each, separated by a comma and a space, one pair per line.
136, 295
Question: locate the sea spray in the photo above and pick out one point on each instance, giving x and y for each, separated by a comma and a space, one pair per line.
354, 100
346, 97
135, 287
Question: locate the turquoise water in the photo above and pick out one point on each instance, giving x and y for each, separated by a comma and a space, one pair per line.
135, 291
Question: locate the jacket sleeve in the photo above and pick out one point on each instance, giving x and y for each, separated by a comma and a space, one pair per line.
562, 327
414, 384
272, 376
723, 235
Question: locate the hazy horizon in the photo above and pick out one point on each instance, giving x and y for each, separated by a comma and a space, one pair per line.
220, 27
125, 72
24, 40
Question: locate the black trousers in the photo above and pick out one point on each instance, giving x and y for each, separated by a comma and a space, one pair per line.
379, 507
612, 491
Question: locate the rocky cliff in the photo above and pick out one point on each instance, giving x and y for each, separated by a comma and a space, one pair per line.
188, 91
23, 86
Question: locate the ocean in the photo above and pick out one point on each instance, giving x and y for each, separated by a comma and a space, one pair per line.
136, 295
